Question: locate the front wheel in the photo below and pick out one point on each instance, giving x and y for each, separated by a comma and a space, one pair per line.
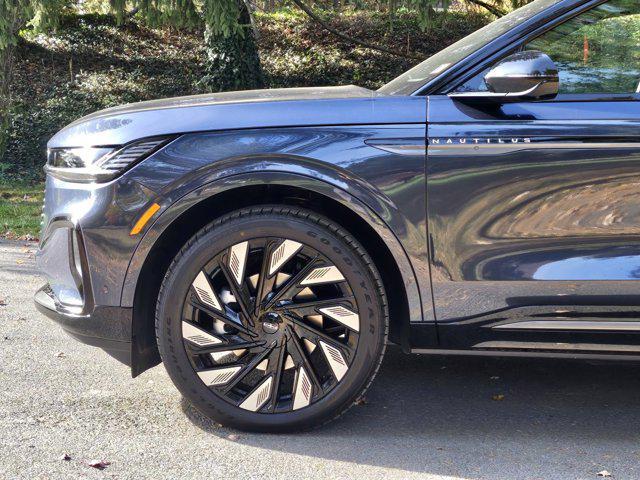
272, 319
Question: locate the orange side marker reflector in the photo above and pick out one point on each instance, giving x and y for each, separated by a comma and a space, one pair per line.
142, 221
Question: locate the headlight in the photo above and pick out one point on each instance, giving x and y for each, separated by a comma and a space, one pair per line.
99, 164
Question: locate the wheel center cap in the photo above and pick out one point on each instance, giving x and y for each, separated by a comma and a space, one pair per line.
271, 322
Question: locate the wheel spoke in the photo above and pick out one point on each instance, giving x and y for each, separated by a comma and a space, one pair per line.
298, 350
238, 261
197, 336
277, 359
322, 275
259, 396
204, 291
343, 315
310, 308
226, 347
282, 254
303, 389
265, 281
335, 359
238, 292
218, 376
222, 318
292, 286
247, 368
317, 334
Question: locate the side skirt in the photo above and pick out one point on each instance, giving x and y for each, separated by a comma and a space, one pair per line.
529, 354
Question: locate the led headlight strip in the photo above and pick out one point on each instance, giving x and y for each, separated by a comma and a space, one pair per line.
99, 164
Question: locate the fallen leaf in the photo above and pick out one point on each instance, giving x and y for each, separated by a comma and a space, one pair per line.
60, 355
498, 397
2, 303
19, 262
99, 464
65, 457
361, 401
604, 473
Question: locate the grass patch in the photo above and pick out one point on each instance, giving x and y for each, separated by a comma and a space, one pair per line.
20, 208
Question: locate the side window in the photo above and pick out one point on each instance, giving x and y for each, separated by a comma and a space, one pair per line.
596, 52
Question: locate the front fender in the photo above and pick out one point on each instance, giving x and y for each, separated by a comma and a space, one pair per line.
371, 212
390, 183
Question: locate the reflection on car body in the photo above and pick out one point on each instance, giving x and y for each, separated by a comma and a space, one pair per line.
494, 188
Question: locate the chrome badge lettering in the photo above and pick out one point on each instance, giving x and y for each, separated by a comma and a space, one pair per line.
478, 141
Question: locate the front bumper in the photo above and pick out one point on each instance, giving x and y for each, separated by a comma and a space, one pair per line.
84, 253
106, 327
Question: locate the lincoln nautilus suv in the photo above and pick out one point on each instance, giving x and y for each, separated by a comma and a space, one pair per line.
266, 246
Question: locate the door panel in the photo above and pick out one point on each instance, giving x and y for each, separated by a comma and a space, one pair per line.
532, 204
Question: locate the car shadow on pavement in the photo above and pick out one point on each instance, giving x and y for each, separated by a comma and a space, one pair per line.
475, 417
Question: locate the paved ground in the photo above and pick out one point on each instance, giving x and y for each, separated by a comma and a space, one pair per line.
425, 417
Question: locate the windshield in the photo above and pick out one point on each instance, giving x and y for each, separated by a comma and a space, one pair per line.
412, 80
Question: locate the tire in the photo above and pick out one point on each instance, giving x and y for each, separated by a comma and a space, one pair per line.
253, 351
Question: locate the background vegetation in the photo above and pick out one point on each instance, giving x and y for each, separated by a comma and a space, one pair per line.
20, 204
598, 50
62, 59
91, 62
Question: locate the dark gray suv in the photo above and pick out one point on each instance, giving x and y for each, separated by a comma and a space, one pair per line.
266, 245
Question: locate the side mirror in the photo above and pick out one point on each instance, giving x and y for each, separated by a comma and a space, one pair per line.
523, 76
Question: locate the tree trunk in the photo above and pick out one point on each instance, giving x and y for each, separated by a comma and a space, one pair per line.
391, 12
14, 20
232, 61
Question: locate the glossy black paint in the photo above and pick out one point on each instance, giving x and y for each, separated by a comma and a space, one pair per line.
392, 202
526, 76
493, 214
553, 225
287, 107
385, 189
523, 71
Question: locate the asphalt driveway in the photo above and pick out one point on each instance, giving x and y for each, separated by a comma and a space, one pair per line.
425, 417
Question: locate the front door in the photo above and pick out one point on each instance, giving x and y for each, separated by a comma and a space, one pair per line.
534, 208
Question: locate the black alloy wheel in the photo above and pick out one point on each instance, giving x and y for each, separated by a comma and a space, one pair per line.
272, 319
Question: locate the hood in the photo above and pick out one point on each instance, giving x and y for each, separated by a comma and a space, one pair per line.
234, 110
244, 96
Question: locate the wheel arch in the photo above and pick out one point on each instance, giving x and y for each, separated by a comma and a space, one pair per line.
188, 215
